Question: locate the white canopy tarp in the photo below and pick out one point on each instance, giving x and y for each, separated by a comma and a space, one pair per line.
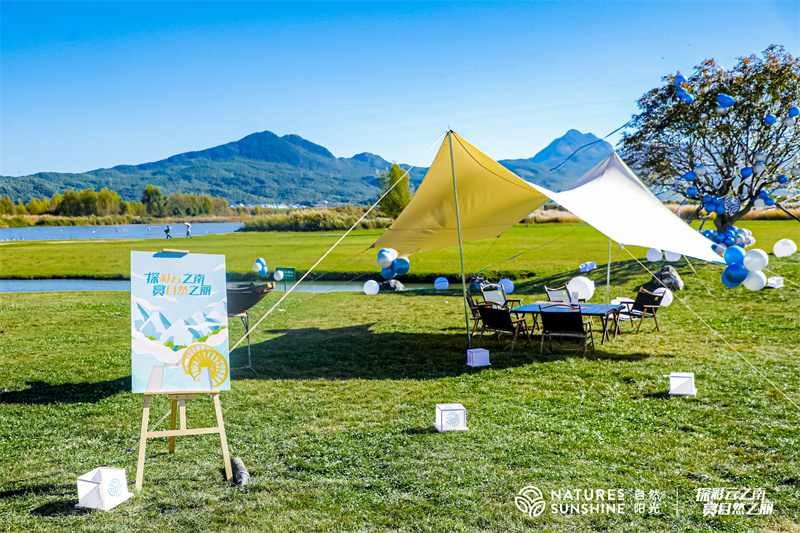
612, 199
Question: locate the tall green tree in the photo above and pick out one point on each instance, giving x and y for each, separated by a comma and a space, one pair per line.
725, 137
397, 199
154, 201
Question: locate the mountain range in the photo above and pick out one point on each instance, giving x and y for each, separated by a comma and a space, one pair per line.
263, 168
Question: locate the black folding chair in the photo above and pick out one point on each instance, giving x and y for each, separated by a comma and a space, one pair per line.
567, 322
499, 321
644, 306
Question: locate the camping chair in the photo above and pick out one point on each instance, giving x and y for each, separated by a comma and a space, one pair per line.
558, 294
476, 317
565, 323
644, 306
499, 321
495, 295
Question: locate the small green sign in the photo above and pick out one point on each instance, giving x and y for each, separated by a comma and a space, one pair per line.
288, 273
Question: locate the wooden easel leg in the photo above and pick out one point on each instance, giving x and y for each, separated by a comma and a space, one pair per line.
223, 439
182, 409
142, 442
172, 417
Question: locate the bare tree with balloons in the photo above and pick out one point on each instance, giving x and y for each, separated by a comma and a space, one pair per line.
726, 137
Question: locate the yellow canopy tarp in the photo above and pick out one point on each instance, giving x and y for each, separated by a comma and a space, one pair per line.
491, 199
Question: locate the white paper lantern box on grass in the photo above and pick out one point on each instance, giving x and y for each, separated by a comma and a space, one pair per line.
103, 488
588, 266
478, 357
450, 417
682, 384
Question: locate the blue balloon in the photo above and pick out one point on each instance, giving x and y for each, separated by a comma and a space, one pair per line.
725, 100
728, 241
769, 202
770, 119
735, 273
719, 239
441, 283
719, 209
763, 194
388, 273
746, 172
691, 192
680, 78
707, 198
728, 283
401, 266
689, 176
688, 98
507, 285
794, 111
261, 260
719, 200
782, 179
734, 255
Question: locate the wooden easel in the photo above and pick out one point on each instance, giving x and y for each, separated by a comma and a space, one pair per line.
179, 405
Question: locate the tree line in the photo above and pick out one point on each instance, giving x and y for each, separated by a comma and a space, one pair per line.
107, 202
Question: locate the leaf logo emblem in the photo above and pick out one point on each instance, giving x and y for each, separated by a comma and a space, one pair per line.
530, 501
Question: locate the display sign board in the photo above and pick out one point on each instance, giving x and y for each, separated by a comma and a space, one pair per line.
288, 273
179, 323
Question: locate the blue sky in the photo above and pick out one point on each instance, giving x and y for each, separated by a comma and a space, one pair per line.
88, 85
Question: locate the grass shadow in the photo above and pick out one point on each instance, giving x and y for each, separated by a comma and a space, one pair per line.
60, 508
42, 393
357, 352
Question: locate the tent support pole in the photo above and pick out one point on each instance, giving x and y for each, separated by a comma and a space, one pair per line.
608, 274
460, 245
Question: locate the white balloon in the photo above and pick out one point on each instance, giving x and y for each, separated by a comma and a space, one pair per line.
749, 240
740, 239
760, 157
719, 248
392, 252
700, 170
759, 168
668, 296
278, 275
788, 121
755, 260
759, 202
583, 286
653, 255
755, 281
257, 267
784, 248
385, 259
371, 287
672, 256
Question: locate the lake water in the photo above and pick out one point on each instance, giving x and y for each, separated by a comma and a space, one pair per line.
122, 231
69, 285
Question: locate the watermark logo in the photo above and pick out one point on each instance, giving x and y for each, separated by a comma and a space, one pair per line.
530, 501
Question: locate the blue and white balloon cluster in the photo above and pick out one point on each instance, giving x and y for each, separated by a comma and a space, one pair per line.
744, 268
260, 266
680, 93
732, 237
724, 104
391, 265
794, 112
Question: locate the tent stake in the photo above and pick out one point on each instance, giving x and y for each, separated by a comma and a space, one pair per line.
460, 245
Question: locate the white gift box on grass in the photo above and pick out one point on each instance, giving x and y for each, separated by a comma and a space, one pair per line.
478, 357
103, 488
775, 282
682, 384
450, 417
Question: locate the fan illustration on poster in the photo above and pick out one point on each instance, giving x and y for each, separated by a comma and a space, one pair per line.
179, 323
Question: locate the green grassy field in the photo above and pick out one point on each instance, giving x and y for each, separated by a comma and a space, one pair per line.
335, 420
